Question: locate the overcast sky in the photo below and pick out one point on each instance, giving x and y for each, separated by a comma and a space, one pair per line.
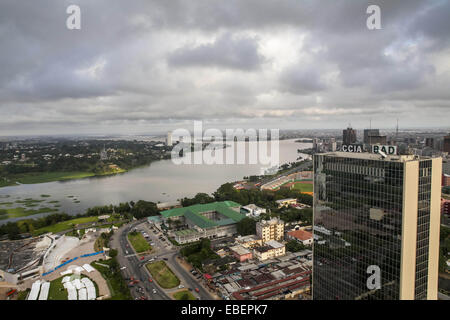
143, 66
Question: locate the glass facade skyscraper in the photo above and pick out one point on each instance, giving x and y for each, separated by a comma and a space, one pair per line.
375, 212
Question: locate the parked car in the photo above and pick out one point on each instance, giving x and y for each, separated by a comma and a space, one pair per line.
154, 290
180, 286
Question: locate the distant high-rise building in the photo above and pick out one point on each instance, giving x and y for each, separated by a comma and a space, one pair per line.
103, 154
377, 140
446, 144
370, 132
169, 139
372, 136
348, 136
376, 226
429, 142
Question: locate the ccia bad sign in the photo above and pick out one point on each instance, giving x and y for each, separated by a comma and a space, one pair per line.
352, 148
389, 150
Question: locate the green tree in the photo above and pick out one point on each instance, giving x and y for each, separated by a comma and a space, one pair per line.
246, 226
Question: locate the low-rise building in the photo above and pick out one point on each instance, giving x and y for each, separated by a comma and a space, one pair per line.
301, 236
271, 249
249, 241
211, 220
286, 202
252, 210
241, 253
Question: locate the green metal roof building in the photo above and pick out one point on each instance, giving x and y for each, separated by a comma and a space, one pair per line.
196, 215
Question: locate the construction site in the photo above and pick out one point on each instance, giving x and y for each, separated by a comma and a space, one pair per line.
31, 265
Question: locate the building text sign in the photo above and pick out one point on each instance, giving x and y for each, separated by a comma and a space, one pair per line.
352, 148
388, 150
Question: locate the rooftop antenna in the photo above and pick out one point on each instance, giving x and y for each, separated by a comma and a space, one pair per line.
396, 132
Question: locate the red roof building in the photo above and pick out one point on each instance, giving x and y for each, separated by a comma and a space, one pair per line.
301, 236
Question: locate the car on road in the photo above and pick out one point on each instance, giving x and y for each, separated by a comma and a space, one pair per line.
196, 290
154, 290
150, 279
123, 268
165, 259
180, 286
142, 258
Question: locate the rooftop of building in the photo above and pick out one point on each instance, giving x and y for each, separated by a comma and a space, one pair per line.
274, 244
300, 234
240, 250
186, 232
271, 221
374, 156
194, 213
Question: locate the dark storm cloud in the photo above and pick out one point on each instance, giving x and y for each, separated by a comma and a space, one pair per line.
153, 61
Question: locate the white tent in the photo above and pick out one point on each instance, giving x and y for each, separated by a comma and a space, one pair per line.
88, 268
82, 294
35, 290
65, 279
78, 270
78, 284
90, 288
44, 291
72, 293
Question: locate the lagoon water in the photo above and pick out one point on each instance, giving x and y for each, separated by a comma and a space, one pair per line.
161, 181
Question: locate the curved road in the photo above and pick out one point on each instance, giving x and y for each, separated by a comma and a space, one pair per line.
136, 268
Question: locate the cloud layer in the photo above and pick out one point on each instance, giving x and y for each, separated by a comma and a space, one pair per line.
147, 66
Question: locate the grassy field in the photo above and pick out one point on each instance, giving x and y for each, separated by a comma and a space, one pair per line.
138, 242
65, 225
57, 290
116, 284
22, 212
303, 187
163, 275
184, 295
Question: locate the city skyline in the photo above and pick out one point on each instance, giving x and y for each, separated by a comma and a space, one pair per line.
149, 66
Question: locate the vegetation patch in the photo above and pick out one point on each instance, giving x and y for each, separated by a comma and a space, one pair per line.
303, 187
198, 252
22, 212
163, 275
65, 225
138, 242
184, 295
116, 284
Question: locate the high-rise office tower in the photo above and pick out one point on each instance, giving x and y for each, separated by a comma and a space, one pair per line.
370, 132
446, 146
169, 139
376, 226
348, 136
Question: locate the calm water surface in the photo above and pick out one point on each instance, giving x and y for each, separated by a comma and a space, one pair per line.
161, 181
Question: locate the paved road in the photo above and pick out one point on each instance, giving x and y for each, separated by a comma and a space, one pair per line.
132, 263
136, 267
165, 249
